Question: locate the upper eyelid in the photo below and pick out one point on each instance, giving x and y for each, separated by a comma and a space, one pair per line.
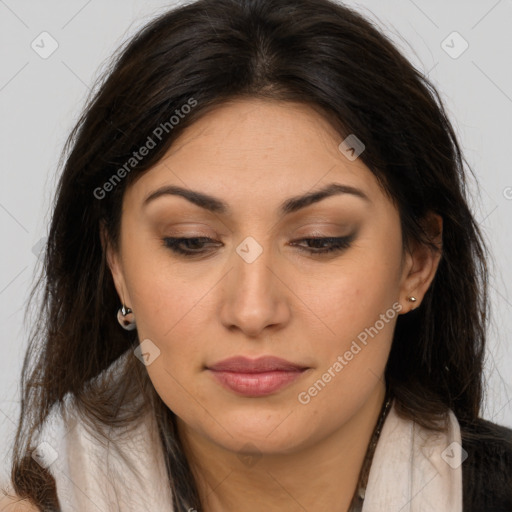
302, 237
344, 239
206, 239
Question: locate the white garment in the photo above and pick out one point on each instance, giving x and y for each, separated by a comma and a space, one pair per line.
414, 469
128, 475
408, 472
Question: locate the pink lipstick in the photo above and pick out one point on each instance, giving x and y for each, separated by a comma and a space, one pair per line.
256, 377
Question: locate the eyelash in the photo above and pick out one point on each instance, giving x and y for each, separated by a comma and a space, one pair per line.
338, 244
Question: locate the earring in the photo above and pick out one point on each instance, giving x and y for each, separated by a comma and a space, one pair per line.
126, 323
412, 299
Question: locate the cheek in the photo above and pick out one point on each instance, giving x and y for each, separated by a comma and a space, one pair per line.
358, 307
352, 295
358, 316
172, 313
352, 357
165, 295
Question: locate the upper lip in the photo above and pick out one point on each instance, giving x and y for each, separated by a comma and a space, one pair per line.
262, 364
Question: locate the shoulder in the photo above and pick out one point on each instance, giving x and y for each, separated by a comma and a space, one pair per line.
14, 504
487, 470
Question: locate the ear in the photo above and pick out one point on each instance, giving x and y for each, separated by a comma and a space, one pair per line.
114, 263
421, 262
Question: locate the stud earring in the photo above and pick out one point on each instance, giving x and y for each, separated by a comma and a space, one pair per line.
412, 299
124, 320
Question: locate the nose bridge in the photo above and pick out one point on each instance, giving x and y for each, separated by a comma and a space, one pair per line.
253, 266
253, 301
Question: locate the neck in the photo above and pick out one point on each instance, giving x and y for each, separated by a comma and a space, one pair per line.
322, 476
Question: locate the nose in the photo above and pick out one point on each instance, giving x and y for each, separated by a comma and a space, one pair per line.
255, 295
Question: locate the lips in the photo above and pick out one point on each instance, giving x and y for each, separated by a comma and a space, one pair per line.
256, 377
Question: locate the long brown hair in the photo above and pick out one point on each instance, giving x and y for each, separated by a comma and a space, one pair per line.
311, 51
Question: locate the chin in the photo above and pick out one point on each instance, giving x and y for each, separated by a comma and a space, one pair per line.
262, 431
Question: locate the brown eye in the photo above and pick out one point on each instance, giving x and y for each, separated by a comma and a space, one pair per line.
193, 245
326, 244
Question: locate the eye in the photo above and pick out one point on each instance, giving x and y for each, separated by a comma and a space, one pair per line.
326, 244
193, 245
196, 245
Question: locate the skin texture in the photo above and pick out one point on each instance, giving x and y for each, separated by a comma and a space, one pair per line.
306, 308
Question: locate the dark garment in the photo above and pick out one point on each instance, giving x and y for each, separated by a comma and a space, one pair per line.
487, 472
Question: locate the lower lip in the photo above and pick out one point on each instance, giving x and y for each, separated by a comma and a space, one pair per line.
256, 384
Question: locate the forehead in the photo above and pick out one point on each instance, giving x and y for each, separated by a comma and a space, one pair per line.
243, 129
256, 150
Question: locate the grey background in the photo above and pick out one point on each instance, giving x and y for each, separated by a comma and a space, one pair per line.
40, 99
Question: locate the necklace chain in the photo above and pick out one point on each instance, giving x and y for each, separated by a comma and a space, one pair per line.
356, 504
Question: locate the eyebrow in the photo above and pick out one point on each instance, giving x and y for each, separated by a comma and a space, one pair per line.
293, 204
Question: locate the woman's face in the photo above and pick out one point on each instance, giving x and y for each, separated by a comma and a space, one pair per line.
253, 288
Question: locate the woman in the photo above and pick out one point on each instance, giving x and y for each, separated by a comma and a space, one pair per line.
264, 288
